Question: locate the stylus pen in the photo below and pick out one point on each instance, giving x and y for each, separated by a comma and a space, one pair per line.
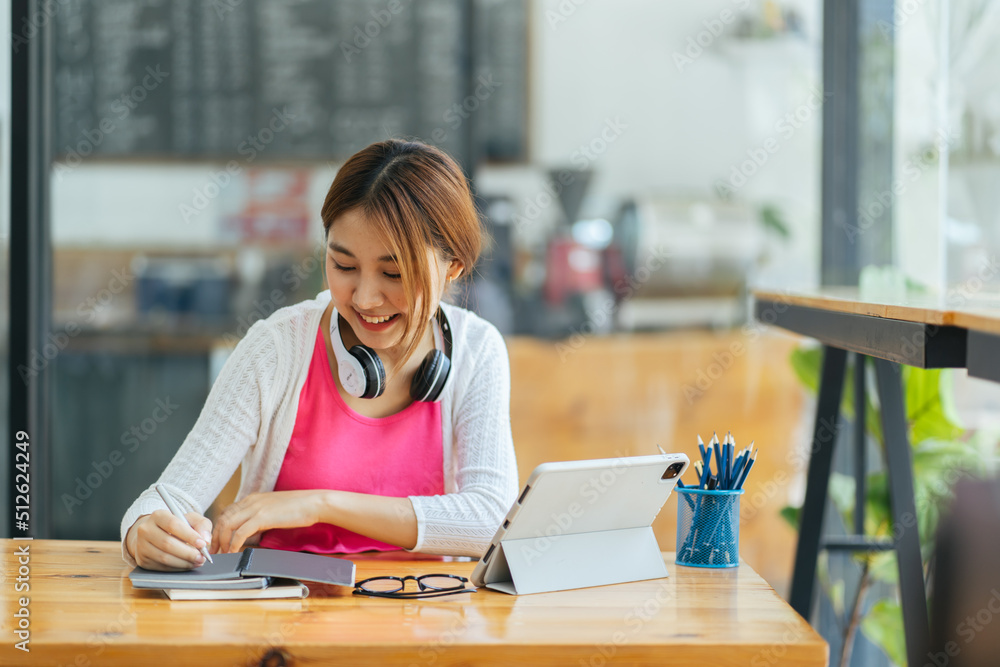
176, 511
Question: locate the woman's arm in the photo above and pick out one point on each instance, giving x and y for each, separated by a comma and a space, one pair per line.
464, 522
382, 518
226, 427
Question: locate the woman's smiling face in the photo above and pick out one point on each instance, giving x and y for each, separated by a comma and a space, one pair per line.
365, 283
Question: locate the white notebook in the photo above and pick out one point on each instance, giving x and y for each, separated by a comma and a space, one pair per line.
279, 588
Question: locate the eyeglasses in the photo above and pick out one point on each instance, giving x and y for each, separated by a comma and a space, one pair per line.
430, 585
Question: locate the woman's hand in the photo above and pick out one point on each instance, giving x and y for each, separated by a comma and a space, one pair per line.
243, 522
162, 541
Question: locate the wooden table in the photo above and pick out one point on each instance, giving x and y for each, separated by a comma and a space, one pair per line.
84, 611
922, 330
968, 323
982, 357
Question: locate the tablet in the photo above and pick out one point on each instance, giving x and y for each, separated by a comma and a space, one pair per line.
582, 523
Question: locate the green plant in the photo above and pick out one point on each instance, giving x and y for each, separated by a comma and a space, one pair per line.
773, 220
942, 452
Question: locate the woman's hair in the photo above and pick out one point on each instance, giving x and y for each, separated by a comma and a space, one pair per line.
414, 196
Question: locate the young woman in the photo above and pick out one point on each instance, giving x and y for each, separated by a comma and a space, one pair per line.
372, 417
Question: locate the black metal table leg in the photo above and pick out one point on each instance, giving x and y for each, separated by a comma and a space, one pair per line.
831, 386
860, 440
906, 533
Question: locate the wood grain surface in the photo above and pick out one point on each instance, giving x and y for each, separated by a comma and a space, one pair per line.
84, 611
980, 311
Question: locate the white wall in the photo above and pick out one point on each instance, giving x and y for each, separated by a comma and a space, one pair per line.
177, 205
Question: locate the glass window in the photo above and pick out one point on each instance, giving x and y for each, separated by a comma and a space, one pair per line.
947, 157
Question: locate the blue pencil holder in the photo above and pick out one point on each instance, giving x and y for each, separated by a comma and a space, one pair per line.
708, 528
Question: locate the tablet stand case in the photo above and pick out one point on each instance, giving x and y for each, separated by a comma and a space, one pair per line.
560, 562
579, 524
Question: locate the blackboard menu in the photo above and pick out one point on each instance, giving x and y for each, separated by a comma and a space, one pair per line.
288, 79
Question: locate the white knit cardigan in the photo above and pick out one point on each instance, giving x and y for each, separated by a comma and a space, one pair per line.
250, 413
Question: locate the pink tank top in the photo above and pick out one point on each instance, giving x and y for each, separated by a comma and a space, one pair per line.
333, 447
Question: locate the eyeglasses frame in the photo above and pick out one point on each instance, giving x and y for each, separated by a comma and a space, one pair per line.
424, 592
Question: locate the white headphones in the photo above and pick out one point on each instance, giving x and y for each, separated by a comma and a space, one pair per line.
363, 375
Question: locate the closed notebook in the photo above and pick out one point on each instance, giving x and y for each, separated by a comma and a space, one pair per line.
253, 568
279, 588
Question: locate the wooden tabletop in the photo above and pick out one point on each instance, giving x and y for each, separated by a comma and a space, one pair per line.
84, 611
968, 310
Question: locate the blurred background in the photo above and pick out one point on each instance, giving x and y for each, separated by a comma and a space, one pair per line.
639, 165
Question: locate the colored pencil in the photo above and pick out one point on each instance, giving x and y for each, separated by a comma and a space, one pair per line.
746, 470
718, 453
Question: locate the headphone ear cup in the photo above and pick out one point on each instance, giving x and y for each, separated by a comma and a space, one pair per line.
373, 371
430, 377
